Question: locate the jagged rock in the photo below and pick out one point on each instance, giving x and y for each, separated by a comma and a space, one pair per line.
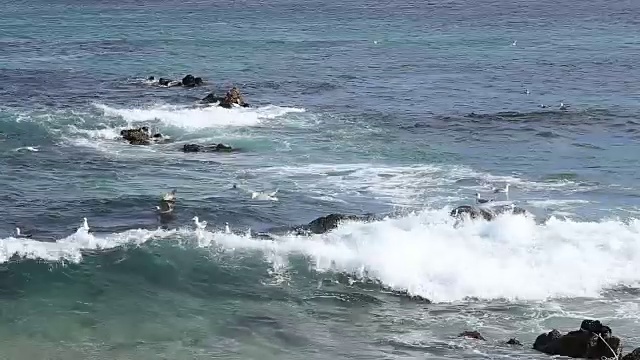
212, 98
206, 148
472, 334
634, 355
140, 136
191, 81
592, 341
514, 341
164, 82
327, 223
485, 212
233, 97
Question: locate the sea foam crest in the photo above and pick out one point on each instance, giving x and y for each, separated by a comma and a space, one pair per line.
511, 257
198, 117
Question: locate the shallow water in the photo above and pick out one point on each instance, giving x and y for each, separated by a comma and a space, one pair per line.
401, 108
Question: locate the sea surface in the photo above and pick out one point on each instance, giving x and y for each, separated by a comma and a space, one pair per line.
405, 108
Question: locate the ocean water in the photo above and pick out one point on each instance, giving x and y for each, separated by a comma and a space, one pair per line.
402, 108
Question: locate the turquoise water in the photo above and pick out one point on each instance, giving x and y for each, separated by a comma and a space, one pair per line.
401, 108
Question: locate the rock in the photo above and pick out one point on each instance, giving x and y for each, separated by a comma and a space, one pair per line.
472, 334
634, 355
207, 148
405, 294
140, 136
233, 97
164, 82
485, 212
592, 341
327, 223
211, 99
191, 81
514, 341
151, 78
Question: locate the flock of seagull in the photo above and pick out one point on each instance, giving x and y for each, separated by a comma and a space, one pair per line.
504, 190
168, 203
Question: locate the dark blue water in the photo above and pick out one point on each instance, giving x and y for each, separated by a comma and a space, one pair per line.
409, 108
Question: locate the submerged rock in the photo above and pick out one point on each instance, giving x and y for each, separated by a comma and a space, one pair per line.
514, 341
187, 81
472, 334
231, 99
140, 136
191, 81
327, 223
207, 148
486, 212
592, 341
634, 355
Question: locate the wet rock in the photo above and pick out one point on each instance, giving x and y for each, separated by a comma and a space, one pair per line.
191, 81
207, 148
233, 97
140, 136
151, 78
405, 294
472, 334
164, 82
592, 341
212, 99
327, 223
514, 341
485, 212
634, 355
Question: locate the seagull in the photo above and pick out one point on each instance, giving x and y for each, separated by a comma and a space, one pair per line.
85, 225
563, 106
515, 43
21, 235
503, 190
226, 228
199, 225
479, 200
170, 197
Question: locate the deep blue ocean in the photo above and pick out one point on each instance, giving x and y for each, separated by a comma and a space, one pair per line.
406, 108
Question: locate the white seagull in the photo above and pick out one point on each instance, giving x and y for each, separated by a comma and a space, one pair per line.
480, 200
199, 225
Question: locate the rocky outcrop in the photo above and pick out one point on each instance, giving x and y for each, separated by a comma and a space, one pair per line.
231, 99
327, 223
140, 136
634, 355
207, 148
592, 341
191, 81
486, 213
187, 81
472, 334
514, 341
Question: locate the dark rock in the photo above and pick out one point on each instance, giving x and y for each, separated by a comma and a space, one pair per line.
207, 148
327, 223
189, 81
405, 294
634, 355
472, 334
212, 98
233, 97
140, 136
164, 82
592, 341
485, 212
514, 341
151, 78
199, 81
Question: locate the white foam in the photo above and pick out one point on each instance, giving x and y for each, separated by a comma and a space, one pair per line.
511, 257
70, 248
198, 118
27, 148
